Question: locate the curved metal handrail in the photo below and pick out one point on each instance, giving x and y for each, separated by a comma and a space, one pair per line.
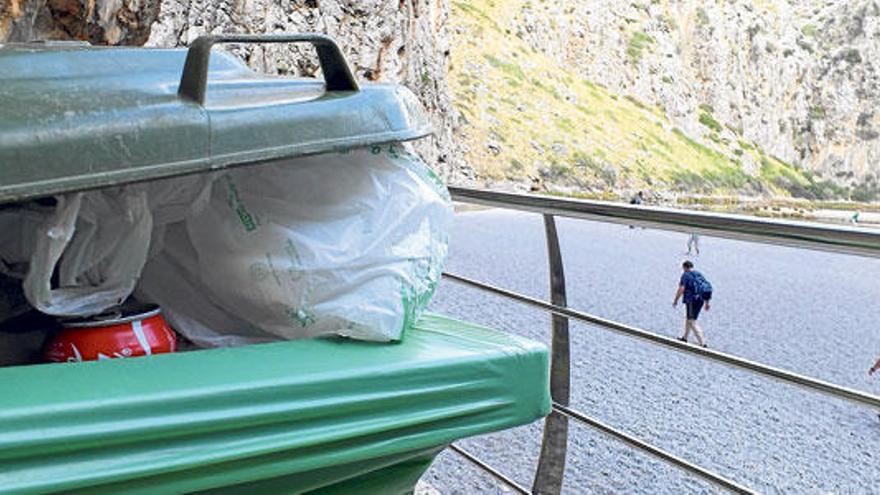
843, 239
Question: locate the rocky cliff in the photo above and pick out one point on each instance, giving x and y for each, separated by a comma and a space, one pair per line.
113, 22
402, 41
797, 78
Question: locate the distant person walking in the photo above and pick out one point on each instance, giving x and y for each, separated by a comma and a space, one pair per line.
694, 244
855, 217
697, 292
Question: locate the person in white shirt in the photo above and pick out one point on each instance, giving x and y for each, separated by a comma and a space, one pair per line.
694, 244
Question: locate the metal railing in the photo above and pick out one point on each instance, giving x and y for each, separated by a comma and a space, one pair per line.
844, 239
551, 465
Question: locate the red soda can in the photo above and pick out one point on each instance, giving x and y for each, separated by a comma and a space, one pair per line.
126, 331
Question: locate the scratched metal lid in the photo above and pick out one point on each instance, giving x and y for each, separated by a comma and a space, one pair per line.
75, 116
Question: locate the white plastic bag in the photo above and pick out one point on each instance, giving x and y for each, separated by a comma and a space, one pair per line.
98, 241
350, 244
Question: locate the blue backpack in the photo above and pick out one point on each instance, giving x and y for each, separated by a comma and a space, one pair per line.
702, 287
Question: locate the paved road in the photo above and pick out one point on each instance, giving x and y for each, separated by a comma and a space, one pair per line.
810, 312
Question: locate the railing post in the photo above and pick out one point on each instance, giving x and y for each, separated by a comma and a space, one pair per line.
551, 464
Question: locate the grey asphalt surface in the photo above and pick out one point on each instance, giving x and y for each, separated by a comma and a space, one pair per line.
810, 312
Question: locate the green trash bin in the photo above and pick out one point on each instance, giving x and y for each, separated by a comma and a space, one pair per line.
323, 415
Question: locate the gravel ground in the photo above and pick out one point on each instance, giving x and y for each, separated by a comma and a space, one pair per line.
810, 312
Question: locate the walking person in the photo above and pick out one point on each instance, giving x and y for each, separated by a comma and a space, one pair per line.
694, 244
697, 292
854, 219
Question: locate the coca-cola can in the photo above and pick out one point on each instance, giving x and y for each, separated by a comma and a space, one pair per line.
130, 330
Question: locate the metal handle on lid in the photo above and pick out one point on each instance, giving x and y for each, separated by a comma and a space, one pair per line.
194, 81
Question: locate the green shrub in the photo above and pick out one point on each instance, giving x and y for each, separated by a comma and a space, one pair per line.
637, 44
707, 120
476, 12
602, 171
511, 69
824, 190
865, 192
560, 171
702, 16
685, 180
730, 176
699, 147
798, 182
635, 101
660, 142
565, 124
583, 109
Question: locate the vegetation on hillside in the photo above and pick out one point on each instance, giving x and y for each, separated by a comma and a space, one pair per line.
526, 116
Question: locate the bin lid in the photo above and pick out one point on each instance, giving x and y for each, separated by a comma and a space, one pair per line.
75, 116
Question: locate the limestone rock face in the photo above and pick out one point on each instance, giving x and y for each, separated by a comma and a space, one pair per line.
106, 22
798, 78
399, 41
